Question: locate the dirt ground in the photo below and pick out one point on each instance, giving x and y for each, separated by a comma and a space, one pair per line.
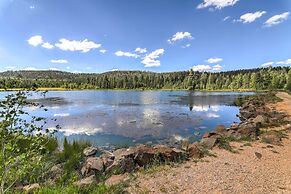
255, 168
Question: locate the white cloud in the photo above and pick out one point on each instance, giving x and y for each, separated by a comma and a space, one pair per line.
37, 69
114, 70
180, 36
35, 40
10, 67
47, 45
141, 50
276, 19
186, 46
212, 115
32, 7
214, 60
151, 60
75, 45
286, 62
201, 68
54, 69
217, 4
251, 17
103, 51
126, 54
267, 64
30, 69
226, 18
58, 61
217, 67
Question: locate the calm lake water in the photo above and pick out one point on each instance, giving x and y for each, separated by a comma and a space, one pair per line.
127, 117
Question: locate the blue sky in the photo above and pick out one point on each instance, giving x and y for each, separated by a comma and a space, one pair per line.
151, 35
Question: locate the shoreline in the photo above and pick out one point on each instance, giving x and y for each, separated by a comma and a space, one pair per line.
257, 166
117, 89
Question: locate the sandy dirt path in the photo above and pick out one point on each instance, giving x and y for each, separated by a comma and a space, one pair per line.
259, 168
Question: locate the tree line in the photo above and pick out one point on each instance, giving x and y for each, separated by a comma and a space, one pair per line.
254, 79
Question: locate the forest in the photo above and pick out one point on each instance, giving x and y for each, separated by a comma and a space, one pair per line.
248, 79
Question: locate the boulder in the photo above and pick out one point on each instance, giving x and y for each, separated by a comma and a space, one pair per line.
234, 126
123, 161
55, 172
209, 143
211, 134
92, 165
90, 151
221, 129
247, 129
108, 158
31, 188
116, 179
194, 151
121, 165
260, 120
166, 153
145, 155
85, 181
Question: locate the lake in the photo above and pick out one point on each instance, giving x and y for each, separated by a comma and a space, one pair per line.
108, 118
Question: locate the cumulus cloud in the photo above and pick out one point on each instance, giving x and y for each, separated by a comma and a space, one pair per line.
214, 60
217, 67
251, 17
276, 19
180, 36
217, 4
47, 45
151, 60
126, 54
141, 50
286, 62
267, 64
35, 40
201, 68
58, 61
103, 51
76, 45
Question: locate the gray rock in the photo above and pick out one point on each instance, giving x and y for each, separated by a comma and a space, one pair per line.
90, 151
221, 129
85, 181
260, 120
92, 165
209, 143
194, 151
247, 129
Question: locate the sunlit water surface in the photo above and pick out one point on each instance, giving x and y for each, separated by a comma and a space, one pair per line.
128, 117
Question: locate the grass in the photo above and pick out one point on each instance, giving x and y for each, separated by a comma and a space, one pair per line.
223, 143
93, 189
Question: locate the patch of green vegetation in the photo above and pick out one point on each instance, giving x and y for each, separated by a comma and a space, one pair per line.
93, 189
247, 144
223, 143
72, 157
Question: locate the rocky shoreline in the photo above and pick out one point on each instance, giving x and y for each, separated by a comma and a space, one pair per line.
115, 165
